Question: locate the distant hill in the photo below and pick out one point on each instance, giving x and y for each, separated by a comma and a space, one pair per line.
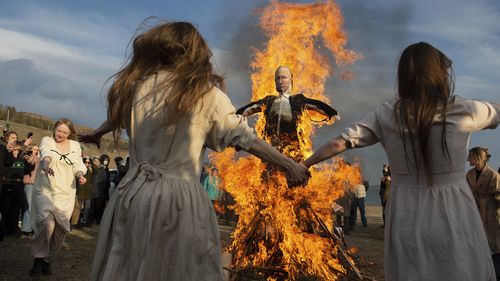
24, 122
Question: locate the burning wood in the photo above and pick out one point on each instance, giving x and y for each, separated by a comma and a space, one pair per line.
282, 233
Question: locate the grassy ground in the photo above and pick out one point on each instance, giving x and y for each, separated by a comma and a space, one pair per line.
369, 244
74, 261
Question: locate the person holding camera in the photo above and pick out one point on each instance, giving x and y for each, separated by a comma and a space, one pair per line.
33, 158
13, 199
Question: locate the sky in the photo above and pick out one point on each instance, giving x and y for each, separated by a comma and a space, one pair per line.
55, 56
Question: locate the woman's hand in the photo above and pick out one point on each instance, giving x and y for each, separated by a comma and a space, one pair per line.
29, 159
46, 166
91, 138
82, 180
48, 171
95, 136
28, 141
297, 174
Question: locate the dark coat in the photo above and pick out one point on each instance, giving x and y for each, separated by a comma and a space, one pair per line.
84, 191
98, 182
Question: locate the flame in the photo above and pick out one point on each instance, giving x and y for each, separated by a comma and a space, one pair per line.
278, 226
219, 207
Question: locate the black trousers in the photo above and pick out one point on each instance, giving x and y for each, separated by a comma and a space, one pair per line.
12, 204
496, 263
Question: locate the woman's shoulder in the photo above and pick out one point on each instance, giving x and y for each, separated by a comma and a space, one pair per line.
384, 111
388, 106
215, 94
74, 144
215, 98
48, 139
470, 171
47, 142
491, 171
463, 105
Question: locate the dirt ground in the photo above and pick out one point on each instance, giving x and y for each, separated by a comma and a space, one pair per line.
74, 261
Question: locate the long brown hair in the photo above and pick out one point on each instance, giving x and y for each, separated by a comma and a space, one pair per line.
71, 126
176, 47
425, 81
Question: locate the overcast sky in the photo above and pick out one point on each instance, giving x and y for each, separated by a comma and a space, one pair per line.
55, 56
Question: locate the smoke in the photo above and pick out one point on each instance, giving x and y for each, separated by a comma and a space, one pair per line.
379, 33
235, 63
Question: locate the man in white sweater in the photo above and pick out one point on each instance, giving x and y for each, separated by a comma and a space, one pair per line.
359, 202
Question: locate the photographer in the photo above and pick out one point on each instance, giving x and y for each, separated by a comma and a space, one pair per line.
13, 199
29, 181
6, 143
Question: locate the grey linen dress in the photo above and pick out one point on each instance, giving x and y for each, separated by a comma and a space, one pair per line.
161, 225
432, 233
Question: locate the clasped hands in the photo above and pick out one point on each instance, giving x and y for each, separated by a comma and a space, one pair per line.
297, 174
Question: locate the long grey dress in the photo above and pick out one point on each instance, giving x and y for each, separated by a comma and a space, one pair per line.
161, 225
432, 233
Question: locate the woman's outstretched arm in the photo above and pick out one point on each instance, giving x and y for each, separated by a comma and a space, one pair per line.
327, 151
296, 172
95, 136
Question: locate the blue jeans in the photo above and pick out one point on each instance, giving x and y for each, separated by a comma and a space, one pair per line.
358, 203
25, 224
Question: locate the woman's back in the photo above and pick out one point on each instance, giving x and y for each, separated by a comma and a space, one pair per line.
181, 146
433, 232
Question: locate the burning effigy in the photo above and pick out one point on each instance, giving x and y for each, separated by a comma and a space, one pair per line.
284, 233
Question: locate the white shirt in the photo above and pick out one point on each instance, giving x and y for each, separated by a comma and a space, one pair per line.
359, 191
282, 108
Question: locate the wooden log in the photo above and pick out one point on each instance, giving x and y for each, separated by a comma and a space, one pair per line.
342, 250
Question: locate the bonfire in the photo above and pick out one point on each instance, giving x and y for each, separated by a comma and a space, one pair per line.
284, 233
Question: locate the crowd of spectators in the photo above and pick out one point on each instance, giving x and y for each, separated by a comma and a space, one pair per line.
19, 162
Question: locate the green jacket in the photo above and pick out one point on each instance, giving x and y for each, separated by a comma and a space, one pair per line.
84, 191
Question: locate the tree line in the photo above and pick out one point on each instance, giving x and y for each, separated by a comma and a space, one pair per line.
45, 123
25, 118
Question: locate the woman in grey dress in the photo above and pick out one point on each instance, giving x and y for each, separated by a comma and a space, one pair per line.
433, 229
160, 224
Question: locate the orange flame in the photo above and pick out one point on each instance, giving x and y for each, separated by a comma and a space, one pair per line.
271, 214
219, 207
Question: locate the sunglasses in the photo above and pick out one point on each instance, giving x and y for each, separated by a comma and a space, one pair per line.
87, 162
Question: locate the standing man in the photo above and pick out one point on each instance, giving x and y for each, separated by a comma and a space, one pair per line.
359, 202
